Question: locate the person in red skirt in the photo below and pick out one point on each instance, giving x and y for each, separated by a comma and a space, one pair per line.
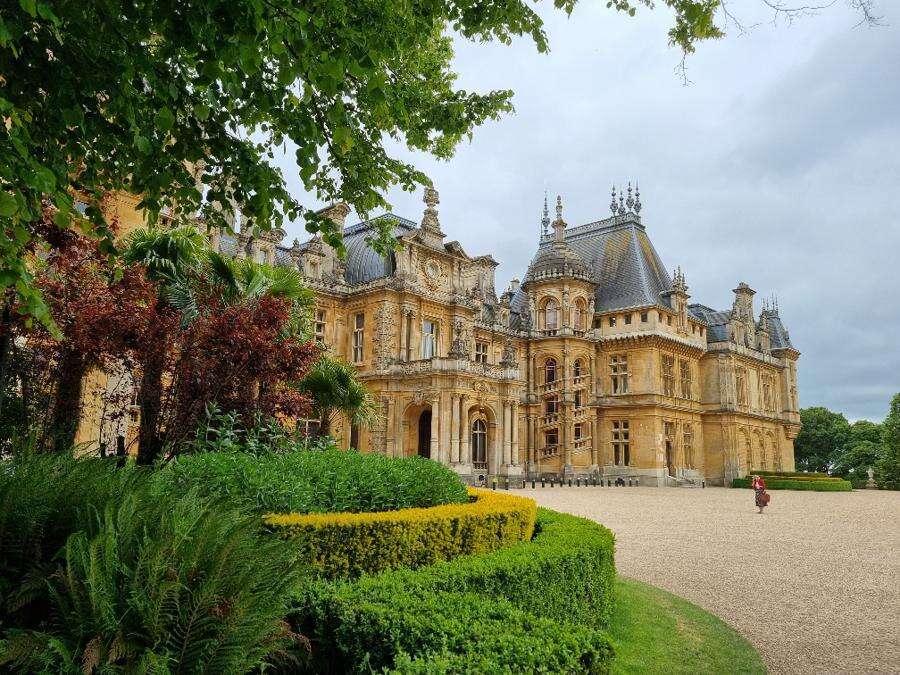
762, 497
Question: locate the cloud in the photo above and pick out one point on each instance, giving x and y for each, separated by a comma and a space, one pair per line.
777, 166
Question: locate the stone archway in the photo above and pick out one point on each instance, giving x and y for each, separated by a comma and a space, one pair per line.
482, 434
423, 447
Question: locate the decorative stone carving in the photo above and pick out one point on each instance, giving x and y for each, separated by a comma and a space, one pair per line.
459, 347
509, 356
385, 336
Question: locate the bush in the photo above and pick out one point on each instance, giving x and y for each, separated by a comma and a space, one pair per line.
821, 485
139, 581
317, 481
537, 606
788, 474
346, 545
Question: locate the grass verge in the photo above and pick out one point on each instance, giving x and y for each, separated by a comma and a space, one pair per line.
657, 632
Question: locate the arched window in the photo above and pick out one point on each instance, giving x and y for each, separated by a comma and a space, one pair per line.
550, 371
479, 442
577, 368
551, 314
578, 315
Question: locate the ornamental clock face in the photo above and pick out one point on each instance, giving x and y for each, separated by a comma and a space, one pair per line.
432, 271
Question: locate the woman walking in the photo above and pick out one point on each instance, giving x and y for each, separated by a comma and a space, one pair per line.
762, 497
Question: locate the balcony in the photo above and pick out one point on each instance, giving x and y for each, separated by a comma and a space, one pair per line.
549, 420
440, 364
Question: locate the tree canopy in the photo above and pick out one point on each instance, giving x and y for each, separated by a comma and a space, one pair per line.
184, 103
823, 435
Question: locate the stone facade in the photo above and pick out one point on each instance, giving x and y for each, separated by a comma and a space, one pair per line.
595, 364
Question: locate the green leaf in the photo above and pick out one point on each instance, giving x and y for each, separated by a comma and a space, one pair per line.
30, 6
142, 144
165, 119
8, 205
43, 180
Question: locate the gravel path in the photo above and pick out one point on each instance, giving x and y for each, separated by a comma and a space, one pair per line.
814, 583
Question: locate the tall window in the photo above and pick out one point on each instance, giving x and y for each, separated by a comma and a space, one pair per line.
578, 315
354, 437
618, 371
551, 438
578, 399
481, 351
479, 444
359, 330
551, 314
668, 372
429, 339
579, 430
687, 443
685, 366
320, 326
621, 442
740, 385
550, 371
577, 368
551, 405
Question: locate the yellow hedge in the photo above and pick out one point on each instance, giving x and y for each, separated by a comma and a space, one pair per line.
342, 545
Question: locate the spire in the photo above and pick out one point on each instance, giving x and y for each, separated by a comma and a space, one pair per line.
679, 283
630, 201
621, 201
559, 225
545, 220
637, 199
613, 206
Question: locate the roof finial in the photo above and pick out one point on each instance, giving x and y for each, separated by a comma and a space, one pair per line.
430, 217
630, 201
545, 220
637, 199
613, 206
558, 207
621, 201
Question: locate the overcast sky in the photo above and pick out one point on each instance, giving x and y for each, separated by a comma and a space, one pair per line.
779, 165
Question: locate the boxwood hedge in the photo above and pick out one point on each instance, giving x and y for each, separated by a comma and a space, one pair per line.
821, 485
787, 474
346, 545
539, 606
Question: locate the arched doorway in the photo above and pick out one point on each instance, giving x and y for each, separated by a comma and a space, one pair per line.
425, 434
479, 445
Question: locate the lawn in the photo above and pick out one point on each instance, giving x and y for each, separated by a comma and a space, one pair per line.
655, 631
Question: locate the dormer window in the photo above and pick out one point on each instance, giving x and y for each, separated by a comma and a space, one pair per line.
612, 322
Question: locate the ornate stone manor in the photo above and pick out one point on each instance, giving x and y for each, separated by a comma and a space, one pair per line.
595, 363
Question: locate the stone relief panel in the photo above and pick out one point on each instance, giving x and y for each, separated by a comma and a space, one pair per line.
386, 337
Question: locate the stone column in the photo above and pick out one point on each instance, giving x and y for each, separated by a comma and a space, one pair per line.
401, 436
594, 440
465, 452
505, 427
514, 430
389, 423
445, 430
454, 429
435, 427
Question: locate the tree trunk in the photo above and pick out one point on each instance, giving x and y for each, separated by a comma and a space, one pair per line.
5, 348
150, 402
325, 422
67, 401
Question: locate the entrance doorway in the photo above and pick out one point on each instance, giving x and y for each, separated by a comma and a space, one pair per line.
425, 434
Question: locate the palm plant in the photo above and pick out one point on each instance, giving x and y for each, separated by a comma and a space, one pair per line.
335, 389
170, 256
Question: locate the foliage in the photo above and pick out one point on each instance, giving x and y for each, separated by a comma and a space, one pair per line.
346, 545
817, 485
889, 467
186, 108
822, 437
506, 611
106, 572
656, 632
317, 481
854, 463
227, 432
333, 386
790, 474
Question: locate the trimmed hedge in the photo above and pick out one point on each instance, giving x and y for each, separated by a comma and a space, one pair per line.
539, 606
317, 481
346, 545
830, 485
788, 474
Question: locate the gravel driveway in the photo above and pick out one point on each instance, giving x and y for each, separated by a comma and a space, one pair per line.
814, 583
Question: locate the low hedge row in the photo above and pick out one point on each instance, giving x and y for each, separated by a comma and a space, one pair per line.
824, 479
347, 545
830, 485
539, 606
787, 474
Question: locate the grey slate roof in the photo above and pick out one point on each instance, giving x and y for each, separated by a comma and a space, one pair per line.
716, 321
778, 335
363, 263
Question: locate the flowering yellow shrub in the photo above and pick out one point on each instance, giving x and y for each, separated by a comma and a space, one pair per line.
341, 545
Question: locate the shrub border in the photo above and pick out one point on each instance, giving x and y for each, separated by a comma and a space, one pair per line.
347, 545
829, 485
